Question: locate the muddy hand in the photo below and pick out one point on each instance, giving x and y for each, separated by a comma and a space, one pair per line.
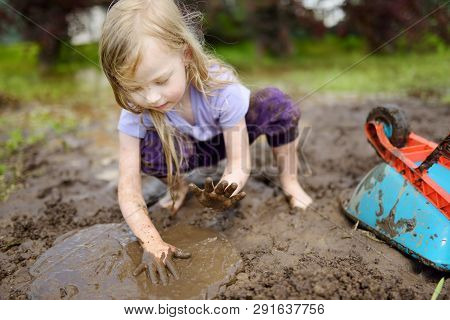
219, 197
156, 267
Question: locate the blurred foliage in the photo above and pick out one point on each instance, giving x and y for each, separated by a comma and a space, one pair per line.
43, 21
314, 61
22, 77
271, 24
379, 21
274, 25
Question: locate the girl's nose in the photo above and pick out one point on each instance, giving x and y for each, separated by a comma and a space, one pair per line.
152, 97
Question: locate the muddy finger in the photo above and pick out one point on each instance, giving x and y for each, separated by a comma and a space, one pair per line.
151, 273
181, 254
172, 268
209, 185
231, 188
238, 197
162, 272
194, 189
220, 188
141, 267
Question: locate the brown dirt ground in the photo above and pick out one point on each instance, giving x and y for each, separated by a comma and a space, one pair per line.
70, 184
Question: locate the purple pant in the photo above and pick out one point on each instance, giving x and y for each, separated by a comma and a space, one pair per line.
271, 112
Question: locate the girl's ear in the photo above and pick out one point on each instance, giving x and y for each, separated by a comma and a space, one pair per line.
187, 56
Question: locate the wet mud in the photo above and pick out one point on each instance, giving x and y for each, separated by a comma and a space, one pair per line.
310, 254
98, 262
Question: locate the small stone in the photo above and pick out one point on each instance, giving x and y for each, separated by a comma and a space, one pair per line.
319, 290
242, 277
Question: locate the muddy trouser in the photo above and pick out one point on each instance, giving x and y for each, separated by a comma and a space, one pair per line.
271, 112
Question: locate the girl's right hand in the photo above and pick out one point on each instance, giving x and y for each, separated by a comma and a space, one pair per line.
156, 258
219, 197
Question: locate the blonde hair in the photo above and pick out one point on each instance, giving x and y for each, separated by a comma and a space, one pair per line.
119, 49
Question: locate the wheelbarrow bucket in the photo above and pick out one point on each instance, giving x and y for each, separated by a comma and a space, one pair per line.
405, 201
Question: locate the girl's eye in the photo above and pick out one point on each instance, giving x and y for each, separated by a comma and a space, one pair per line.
161, 82
134, 89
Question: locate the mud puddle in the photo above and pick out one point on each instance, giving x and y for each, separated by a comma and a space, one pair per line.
98, 262
306, 255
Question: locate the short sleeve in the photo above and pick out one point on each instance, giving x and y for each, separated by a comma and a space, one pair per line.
233, 103
130, 124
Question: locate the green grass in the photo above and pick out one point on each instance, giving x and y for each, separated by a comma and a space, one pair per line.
345, 67
313, 64
21, 76
438, 289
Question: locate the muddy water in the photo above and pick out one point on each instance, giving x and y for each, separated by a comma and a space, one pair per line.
98, 262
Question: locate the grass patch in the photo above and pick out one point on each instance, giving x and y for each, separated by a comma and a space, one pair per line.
438, 289
22, 77
316, 63
313, 64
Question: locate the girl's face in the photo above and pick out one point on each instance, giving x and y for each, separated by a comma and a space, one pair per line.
162, 75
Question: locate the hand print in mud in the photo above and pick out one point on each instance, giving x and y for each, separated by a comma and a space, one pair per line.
218, 198
156, 267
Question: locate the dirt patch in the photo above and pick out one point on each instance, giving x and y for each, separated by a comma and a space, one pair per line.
304, 255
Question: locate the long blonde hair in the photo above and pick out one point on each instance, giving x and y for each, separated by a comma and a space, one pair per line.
119, 50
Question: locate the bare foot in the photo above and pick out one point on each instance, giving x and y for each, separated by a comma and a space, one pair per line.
180, 192
297, 197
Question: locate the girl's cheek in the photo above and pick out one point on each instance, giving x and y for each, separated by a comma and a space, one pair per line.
177, 90
178, 93
138, 98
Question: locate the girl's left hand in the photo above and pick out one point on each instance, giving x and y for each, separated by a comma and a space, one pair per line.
219, 197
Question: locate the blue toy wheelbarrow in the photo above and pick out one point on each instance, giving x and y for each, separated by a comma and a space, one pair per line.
405, 201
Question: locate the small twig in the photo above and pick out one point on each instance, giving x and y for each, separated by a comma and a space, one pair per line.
356, 225
10, 244
369, 235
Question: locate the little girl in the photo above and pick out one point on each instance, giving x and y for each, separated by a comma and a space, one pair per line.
182, 109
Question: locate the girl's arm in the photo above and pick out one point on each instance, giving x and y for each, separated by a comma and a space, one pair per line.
237, 170
157, 254
238, 166
131, 201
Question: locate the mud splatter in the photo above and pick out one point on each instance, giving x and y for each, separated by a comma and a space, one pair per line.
392, 228
380, 211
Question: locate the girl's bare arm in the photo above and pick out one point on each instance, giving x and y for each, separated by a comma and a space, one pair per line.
131, 201
157, 254
237, 170
237, 147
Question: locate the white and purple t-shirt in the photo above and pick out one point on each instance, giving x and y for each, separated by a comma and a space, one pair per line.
222, 110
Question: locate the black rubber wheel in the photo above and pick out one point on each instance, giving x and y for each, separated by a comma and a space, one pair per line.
395, 119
